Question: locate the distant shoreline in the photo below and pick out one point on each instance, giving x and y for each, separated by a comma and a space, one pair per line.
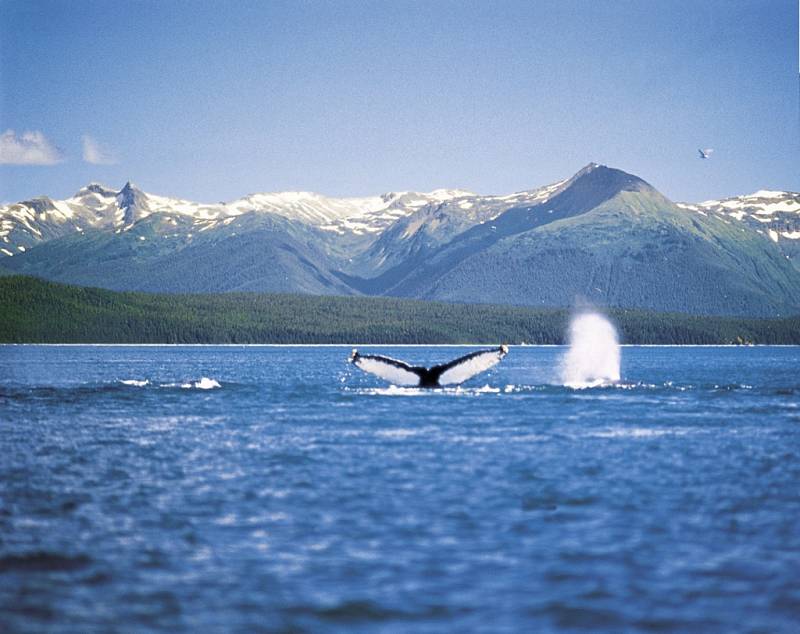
34, 311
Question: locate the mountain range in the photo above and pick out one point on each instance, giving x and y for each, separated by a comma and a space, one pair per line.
602, 237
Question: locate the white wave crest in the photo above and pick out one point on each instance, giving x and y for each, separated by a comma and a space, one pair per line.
203, 384
638, 432
135, 382
395, 390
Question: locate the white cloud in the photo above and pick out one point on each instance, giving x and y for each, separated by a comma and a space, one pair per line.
30, 148
95, 153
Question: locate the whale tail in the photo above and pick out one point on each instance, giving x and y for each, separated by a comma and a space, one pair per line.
452, 373
464, 368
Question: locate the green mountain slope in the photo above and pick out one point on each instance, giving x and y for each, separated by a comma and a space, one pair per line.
36, 311
634, 250
162, 253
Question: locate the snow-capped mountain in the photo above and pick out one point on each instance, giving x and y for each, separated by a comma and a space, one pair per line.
24, 224
775, 214
603, 235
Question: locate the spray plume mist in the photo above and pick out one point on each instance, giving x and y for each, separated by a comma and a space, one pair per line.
593, 357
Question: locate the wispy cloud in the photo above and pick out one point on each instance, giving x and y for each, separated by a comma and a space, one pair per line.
95, 153
29, 148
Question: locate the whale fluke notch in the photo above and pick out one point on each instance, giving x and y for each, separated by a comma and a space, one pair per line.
454, 372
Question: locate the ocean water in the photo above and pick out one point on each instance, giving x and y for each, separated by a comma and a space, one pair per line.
278, 489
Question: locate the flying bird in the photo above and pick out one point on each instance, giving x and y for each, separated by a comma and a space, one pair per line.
453, 373
704, 154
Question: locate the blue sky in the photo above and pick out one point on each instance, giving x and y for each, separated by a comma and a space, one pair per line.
213, 100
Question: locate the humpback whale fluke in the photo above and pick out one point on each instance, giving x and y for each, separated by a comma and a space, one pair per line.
454, 372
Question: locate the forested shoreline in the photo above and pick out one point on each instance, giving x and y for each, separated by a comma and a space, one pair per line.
37, 311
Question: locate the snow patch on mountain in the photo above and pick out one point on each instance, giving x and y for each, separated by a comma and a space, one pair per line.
98, 207
779, 210
773, 214
762, 202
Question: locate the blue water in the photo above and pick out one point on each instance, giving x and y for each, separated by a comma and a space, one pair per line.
302, 495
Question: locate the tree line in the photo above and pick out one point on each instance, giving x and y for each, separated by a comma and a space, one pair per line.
37, 311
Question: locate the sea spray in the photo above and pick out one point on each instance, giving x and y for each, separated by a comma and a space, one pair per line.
593, 357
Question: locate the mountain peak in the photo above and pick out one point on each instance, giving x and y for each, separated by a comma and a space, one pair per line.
769, 194
608, 180
589, 167
132, 201
128, 188
95, 188
40, 204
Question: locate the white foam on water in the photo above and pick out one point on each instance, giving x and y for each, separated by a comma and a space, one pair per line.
395, 390
135, 382
593, 357
397, 433
638, 432
203, 384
